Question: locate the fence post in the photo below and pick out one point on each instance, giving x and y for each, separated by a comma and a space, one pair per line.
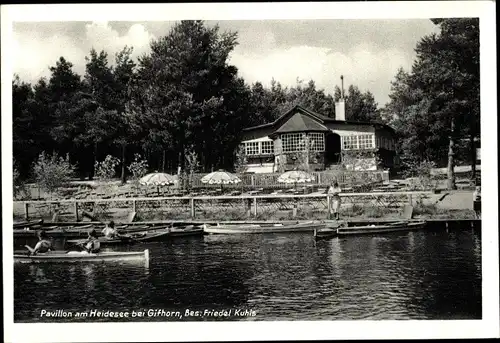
319, 178
294, 211
134, 205
191, 202
252, 180
410, 200
76, 210
329, 204
248, 204
255, 207
26, 212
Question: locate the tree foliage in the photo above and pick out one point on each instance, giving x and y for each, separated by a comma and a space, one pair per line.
52, 171
435, 108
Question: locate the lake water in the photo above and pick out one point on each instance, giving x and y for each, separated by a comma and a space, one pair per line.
415, 275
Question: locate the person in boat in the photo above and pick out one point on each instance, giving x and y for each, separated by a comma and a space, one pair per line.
109, 231
334, 191
92, 244
42, 246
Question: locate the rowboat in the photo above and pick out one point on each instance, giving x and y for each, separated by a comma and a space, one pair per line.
262, 228
76, 231
153, 235
373, 229
78, 256
28, 223
325, 233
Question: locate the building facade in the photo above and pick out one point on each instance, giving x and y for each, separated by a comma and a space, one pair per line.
301, 137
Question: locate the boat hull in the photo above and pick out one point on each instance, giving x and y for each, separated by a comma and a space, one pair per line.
76, 257
260, 229
376, 229
325, 233
154, 235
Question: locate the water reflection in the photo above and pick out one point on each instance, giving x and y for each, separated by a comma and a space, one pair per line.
416, 275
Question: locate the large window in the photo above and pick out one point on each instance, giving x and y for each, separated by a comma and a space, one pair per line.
350, 142
317, 142
267, 147
252, 148
292, 142
357, 142
259, 148
366, 141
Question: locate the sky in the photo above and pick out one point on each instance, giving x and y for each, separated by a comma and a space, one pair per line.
367, 52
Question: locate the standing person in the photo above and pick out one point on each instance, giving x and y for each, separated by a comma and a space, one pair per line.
42, 246
92, 244
334, 190
476, 200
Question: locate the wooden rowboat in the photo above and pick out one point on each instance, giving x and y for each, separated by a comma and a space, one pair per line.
325, 233
153, 235
77, 231
77, 256
29, 223
329, 231
263, 228
374, 229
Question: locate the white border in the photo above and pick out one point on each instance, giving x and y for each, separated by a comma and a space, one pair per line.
487, 327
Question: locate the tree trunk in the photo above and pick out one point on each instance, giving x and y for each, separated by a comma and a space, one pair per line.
94, 159
163, 163
124, 150
451, 185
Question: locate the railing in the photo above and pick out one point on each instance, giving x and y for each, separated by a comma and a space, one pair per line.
270, 180
281, 206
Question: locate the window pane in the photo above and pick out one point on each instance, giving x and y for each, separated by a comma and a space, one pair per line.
317, 142
291, 142
267, 147
252, 148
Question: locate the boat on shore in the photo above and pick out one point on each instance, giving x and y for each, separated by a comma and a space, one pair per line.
262, 228
78, 256
374, 229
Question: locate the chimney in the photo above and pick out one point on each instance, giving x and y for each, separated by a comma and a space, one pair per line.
340, 105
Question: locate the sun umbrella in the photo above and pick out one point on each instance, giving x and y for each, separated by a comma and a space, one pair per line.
220, 177
157, 179
295, 176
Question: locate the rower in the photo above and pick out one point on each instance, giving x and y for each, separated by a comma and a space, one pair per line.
42, 246
92, 245
109, 231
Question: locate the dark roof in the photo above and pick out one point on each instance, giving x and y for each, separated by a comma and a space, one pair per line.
318, 117
301, 122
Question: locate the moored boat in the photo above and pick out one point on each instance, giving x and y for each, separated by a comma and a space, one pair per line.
263, 228
28, 224
374, 229
325, 233
152, 235
77, 256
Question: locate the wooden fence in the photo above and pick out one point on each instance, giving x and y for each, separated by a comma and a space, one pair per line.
218, 207
270, 180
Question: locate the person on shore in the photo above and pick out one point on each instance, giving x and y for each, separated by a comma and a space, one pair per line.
92, 244
42, 246
109, 231
476, 200
334, 191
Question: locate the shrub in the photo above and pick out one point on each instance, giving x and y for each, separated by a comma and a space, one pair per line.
139, 167
52, 171
106, 169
